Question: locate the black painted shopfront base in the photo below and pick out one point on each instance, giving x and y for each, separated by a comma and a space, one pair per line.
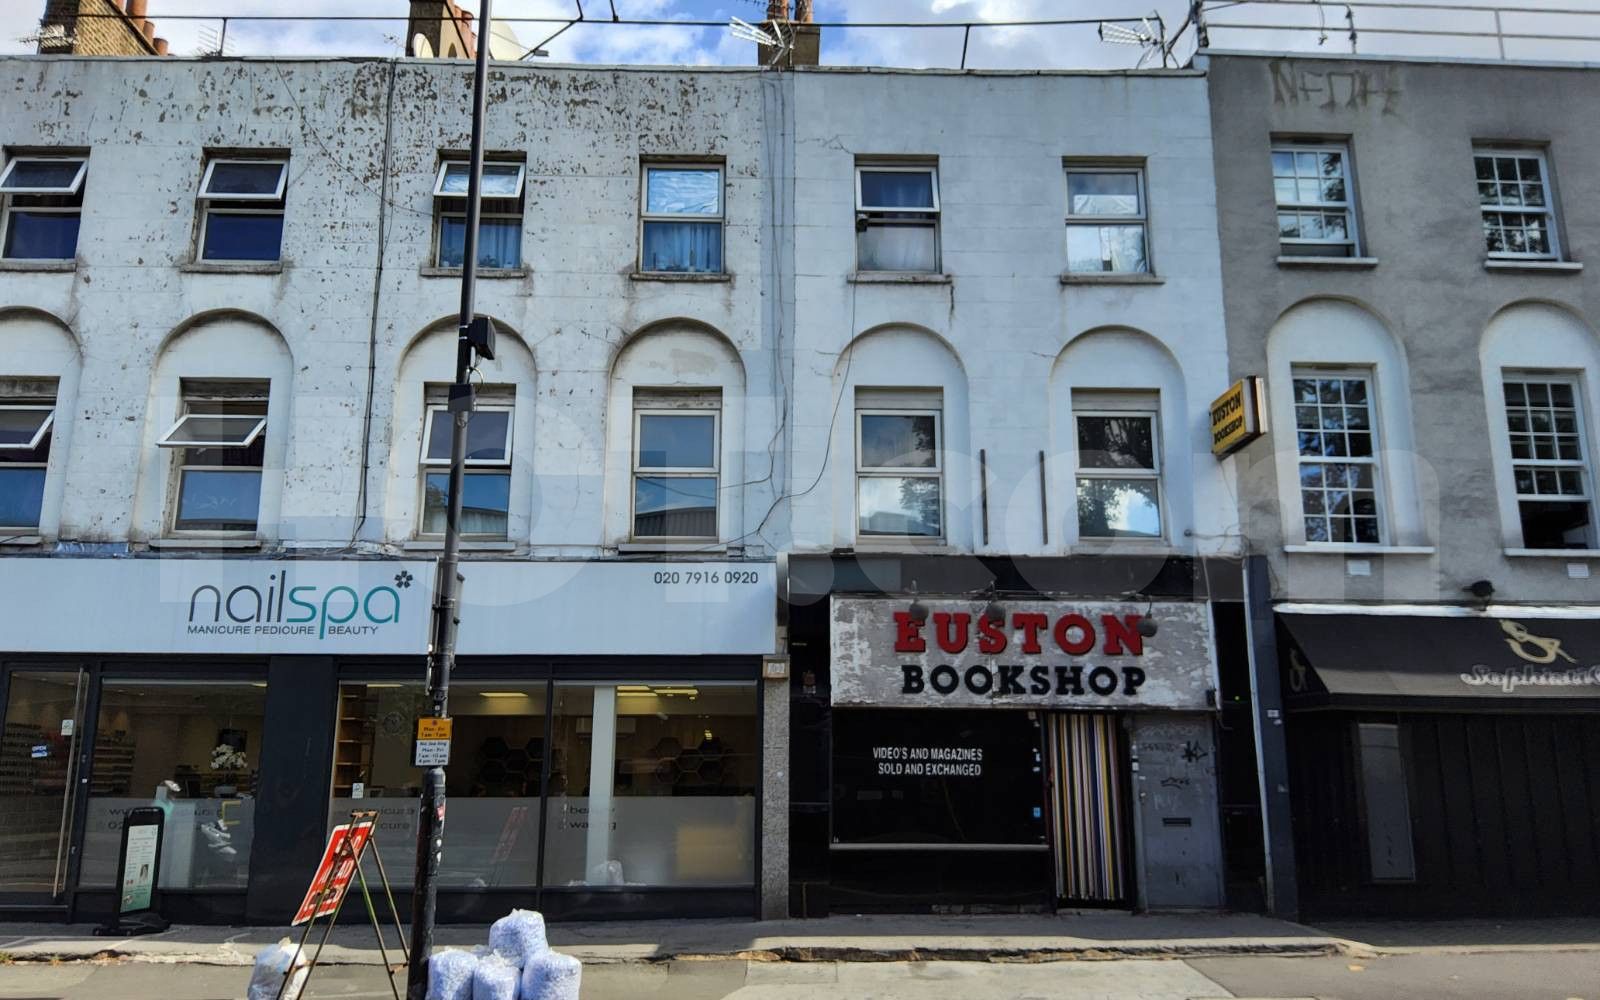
941, 881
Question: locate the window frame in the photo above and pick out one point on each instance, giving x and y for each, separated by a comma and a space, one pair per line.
240, 204
44, 426
1147, 409
934, 472
430, 409
1586, 474
282, 162
935, 215
645, 215
1352, 224
73, 191
180, 466
1374, 428
701, 405
445, 207
1548, 209
1097, 221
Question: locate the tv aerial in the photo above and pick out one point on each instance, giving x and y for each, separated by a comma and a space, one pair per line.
774, 39
1150, 35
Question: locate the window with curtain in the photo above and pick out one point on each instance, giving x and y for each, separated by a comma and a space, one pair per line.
499, 223
681, 217
1106, 220
486, 484
897, 218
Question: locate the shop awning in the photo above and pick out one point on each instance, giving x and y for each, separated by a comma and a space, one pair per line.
1446, 662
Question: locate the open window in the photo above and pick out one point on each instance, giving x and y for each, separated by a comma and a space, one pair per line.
242, 209
42, 207
24, 457
677, 447
219, 445
681, 215
1550, 463
897, 217
486, 485
499, 223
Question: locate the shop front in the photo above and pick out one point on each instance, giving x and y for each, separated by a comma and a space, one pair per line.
607, 756
1016, 751
1442, 761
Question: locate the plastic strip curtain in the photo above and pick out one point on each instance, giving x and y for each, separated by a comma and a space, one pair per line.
1087, 799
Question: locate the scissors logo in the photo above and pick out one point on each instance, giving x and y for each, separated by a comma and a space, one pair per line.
1543, 650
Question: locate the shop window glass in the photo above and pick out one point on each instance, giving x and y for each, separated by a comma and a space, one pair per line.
497, 757
193, 748
653, 784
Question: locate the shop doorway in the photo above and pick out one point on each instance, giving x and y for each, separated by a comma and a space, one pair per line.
41, 757
1088, 802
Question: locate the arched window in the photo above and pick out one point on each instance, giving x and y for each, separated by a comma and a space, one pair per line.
1341, 419
675, 439
497, 493
1540, 367
38, 393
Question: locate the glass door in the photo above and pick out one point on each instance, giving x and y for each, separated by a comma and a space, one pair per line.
40, 750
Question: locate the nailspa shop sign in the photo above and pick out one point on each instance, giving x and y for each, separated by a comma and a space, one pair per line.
383, 607
1040, 654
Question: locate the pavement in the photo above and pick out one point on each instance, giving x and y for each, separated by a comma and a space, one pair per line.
1030, 938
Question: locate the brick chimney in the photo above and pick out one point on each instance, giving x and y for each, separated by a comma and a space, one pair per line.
110, 29
805, 38
438, 29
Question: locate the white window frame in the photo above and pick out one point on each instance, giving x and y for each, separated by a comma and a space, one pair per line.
1352, 229
1148, 409
453, 205
8, 196
282, 164
481, 466
1374, 430
1097, 221
645, 215
1581, 464
70, 189
935, 214
38, 437
49, 420
936, 471
168, 440
239, 204
696, 407
1548, 209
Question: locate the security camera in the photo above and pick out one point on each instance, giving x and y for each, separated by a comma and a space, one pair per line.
862, 221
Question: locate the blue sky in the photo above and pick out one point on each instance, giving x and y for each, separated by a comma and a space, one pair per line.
1052, 47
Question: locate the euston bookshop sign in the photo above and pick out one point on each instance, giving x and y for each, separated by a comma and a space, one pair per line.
1035, 654
1238, 416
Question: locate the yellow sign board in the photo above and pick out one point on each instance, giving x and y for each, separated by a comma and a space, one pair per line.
1237, 416
433, 729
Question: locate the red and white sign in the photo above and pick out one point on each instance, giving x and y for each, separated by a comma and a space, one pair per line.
338, 867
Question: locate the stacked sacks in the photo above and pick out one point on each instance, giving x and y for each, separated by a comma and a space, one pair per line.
519, 936
450, 975
517, 965
495, 978
552, 976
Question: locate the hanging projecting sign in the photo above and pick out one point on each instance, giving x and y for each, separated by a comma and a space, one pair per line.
1238, 416
1032, 654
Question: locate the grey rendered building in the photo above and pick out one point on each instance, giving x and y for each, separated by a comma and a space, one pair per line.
1404, 248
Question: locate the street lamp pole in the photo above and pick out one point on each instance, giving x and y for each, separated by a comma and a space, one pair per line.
474, 336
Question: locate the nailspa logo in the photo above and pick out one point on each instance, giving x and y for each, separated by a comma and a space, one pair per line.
281, 607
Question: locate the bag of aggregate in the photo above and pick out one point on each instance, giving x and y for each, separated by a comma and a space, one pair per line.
519, 937
552, 976
450, 975
272, 965
495, 978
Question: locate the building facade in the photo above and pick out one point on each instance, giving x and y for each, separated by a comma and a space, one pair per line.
1404, 248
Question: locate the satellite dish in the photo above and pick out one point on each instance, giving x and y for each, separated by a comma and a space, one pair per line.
420, 47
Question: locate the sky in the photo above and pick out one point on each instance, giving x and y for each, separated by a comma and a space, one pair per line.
999, 47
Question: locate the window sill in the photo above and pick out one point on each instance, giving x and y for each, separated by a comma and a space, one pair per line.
430, 271
902, 545
467, 545
20, 541
1111, 278
55, 266
690, 277
898, 278
1544, 266
178, 542
232, 267
1335, 549
1553, 553
1337, 263
1125, 547
702, 548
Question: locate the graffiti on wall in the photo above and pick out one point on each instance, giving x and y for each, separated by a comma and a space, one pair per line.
1356, 89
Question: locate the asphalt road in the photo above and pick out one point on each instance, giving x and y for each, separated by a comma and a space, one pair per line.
1516, 976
